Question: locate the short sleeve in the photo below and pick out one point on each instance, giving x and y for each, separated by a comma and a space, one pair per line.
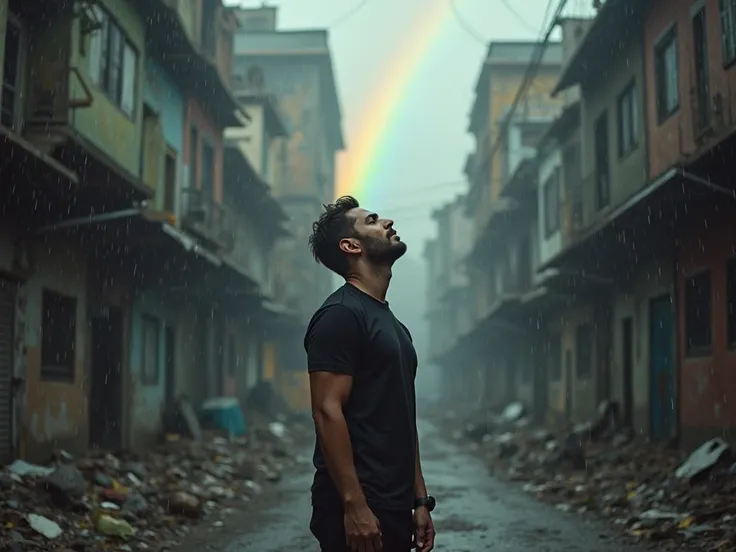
333, 341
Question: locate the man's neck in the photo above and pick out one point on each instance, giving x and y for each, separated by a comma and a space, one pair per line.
374, 282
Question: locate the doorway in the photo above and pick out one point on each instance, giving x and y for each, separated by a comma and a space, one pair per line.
662, 368
170, 366
569, 375
106, 389
627, 344
8, 291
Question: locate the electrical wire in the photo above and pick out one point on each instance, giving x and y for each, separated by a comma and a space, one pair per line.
348, 14
518, 16
465, 25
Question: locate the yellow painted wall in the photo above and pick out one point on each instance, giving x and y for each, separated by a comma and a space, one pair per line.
504, 87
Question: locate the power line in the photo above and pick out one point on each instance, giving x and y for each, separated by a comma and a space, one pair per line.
465, 25
529, 76
348, 14
518, 16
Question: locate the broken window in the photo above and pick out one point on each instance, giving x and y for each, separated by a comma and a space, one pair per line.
628, 120
58, 337
667, 75
113, 62
584, 351
697, 314
150, 369
731, 302
728, 30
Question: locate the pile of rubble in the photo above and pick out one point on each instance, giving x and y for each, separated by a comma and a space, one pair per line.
653, 493
137, 502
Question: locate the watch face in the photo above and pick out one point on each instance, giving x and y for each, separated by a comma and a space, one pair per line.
431, 503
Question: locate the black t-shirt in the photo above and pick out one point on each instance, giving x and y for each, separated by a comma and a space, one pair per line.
353, 333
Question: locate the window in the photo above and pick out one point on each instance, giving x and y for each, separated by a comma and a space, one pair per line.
697, 314
666, 75
628, 120
58, 337
10, 93
193, 157
150, 372
584, 351
170, 181
113, 62
602, 179
208, 171
552, 204
731, 302
702, 80
728, 30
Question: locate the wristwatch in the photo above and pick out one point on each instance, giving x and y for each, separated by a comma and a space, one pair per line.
427, 501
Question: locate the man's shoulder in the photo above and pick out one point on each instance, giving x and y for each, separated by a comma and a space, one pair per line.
341, 297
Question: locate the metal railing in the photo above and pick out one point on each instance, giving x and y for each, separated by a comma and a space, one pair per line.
207, 218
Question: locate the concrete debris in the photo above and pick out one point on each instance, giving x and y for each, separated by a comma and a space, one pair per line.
140, 501
654, 493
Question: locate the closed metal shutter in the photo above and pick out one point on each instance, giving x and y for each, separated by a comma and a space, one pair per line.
7, 311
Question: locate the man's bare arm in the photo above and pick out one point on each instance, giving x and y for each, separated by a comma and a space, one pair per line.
329, 393
420, 488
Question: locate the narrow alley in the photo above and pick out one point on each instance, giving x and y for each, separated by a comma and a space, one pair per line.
474, 512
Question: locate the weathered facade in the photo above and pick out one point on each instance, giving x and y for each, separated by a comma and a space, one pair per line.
111, 308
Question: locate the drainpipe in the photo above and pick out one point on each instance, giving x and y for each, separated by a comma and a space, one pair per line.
92, 219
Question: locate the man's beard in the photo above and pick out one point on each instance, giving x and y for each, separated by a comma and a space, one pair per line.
382, 251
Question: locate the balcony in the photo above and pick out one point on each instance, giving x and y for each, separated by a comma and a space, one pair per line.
208, 219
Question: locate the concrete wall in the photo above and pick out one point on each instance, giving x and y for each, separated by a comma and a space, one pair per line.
250, 138
55, 412
548, 246
148, 399
707, 382
628, 173
674, 137
649, 282
207, 131
164, 97
103, 123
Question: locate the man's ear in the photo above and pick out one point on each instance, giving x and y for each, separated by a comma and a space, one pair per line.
351, 246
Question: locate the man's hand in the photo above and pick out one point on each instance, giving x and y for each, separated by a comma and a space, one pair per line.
362, 530
423, 530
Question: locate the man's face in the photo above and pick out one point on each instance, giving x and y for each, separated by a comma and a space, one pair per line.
377, 238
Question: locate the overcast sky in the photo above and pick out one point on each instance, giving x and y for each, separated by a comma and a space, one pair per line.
430, 141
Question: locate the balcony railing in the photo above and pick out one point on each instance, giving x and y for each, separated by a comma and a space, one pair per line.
207, 218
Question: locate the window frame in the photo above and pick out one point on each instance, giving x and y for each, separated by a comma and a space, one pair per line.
149, 378
552, 184
701, 349
627, 108
65, 372
21, 75
731, 303
727, 18
668, 39
112, 31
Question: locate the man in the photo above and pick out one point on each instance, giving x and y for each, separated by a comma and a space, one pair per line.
362, 366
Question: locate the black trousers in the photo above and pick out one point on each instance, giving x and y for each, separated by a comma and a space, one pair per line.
328, 527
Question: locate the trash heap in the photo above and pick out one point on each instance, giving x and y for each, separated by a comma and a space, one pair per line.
137, 502
653, 493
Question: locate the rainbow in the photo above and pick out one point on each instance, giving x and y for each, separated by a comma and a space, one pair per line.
360, 165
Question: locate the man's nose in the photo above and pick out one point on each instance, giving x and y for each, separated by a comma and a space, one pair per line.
388, 223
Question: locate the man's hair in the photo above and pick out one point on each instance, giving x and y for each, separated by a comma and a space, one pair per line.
333, 225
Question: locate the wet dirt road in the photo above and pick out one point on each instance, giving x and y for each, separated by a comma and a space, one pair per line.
475, 512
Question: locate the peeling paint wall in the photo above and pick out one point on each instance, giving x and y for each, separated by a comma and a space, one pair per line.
650, 282
206, 131
149, 397
56, 413
708, 382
